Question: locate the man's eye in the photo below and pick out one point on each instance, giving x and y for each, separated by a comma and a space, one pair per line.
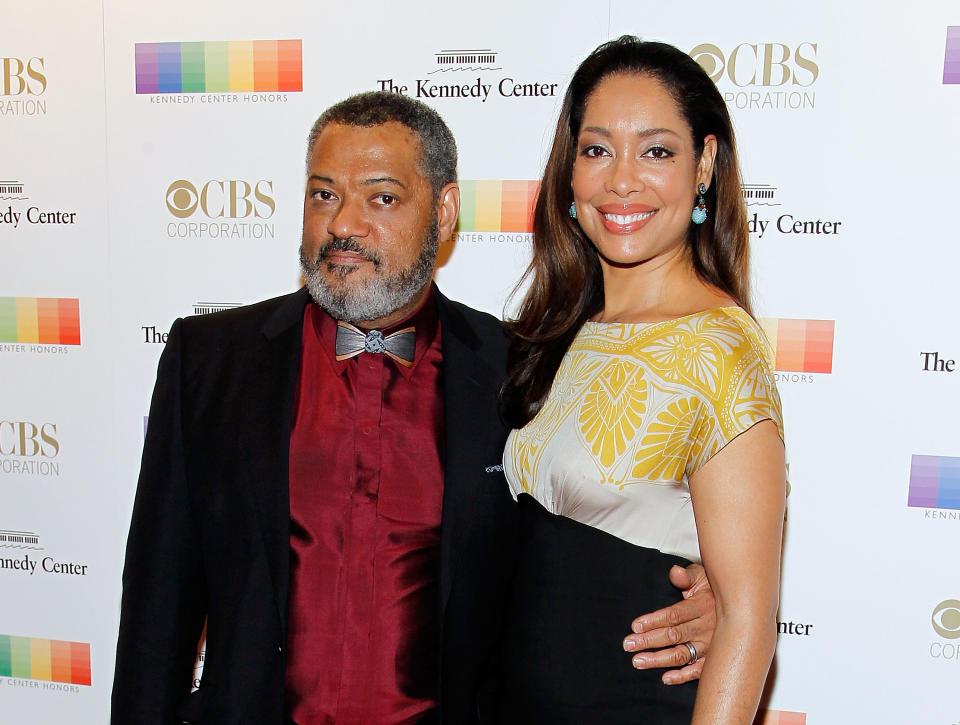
323, 194
386, 199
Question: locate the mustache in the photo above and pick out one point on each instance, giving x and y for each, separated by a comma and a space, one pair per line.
348, 244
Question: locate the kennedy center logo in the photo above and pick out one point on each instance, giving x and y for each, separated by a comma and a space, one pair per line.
18, 217
766, 222
48, 660
480, 84
26, 323
219, 71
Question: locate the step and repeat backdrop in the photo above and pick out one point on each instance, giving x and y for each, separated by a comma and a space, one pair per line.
152, 167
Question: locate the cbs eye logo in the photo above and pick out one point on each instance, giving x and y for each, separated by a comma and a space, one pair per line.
760, 64
946, 619
232, 199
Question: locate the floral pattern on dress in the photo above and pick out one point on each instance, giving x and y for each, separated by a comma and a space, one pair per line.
653, 402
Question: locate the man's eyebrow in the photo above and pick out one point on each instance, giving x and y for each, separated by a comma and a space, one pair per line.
366, 182
383, 180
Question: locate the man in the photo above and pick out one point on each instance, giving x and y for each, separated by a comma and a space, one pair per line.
320, 479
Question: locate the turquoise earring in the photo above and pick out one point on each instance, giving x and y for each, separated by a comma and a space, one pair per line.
573, 211
699, 214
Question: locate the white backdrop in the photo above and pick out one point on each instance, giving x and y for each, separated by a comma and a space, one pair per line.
847, 117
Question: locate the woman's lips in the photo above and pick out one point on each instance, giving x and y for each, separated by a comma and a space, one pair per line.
625, 218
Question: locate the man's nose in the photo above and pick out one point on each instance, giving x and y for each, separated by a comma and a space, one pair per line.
349, 221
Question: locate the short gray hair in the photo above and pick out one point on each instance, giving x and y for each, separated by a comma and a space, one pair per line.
438, 149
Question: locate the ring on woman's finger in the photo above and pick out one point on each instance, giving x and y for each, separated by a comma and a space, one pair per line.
693, 652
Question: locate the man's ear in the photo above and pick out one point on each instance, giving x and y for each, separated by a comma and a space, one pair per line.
448, 209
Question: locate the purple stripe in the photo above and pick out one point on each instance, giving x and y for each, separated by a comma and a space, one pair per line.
924, 479
146, 63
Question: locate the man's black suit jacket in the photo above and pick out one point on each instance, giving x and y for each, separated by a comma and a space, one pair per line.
210, 535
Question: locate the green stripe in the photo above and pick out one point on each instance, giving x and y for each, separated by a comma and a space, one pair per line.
6, 670
217, 66
8, 319
20, 657
192, 67
468, 206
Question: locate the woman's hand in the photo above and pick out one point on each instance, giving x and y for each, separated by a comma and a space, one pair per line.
693, 619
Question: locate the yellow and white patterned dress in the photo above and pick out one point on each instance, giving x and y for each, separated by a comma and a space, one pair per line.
634, 411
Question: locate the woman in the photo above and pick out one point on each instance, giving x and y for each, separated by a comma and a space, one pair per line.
649, 423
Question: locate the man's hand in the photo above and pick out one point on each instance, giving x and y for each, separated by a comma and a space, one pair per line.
693, 619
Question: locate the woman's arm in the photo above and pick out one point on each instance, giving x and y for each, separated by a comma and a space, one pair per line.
738, 502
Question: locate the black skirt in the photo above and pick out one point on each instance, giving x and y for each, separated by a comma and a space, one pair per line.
576, 592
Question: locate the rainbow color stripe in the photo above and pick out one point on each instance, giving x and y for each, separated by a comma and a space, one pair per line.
782, 717
934, 482
951, 56
45, 320
45, 659
497, 206
803, 346
222, 65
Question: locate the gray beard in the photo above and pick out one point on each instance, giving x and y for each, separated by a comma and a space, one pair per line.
376, 297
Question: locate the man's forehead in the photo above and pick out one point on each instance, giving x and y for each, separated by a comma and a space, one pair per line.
386, 139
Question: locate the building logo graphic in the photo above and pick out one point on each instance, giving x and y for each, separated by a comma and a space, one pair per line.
470, 60
497, 206
51, 660
762, 219
205, 308
804, 346
43, 320
760, 195
781, 717
24, 563
934, 482
19, 540
219, 66
951, 56
15, 217
12, 191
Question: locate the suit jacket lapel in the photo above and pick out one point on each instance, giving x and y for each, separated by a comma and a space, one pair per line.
266, 444
468, 380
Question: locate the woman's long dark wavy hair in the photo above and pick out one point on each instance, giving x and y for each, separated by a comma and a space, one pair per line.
566, 284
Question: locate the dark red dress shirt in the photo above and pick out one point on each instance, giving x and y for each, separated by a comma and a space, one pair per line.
366, 488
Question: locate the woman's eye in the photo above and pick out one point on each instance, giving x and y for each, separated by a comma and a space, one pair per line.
593, 151
659, 152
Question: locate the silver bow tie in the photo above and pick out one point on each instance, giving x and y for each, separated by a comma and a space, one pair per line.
399, 345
